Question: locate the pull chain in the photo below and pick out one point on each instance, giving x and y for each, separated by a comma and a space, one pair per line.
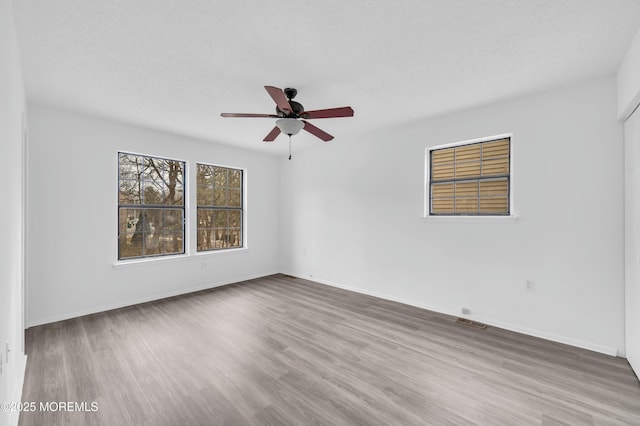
289, 147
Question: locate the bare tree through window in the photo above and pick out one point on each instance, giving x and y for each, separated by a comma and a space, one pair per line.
150, 206
220, 208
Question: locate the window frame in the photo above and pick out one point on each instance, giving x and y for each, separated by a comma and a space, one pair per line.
242, 209
184, 207
427, 215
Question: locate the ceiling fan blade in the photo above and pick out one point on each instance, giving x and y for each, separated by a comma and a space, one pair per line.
329, 113
233, 114
273, 134
317, 132
279, 98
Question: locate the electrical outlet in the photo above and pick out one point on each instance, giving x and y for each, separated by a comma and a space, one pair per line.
204, 265
529, 285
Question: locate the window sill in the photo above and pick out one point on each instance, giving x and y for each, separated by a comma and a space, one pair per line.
471, 219
123, 264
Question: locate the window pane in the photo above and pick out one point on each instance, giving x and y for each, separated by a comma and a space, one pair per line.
220, 238
205, 239
205, 196
152, 193
235, 198
467, 189
235, 218
205, 218
130, 166
151, 222
127, 219
495, 149
442, 171
442, 206
172, 242
442, 156
153, 168
173, 220
467, 161
494, 196
205, 176
220, 177
235, 238
442, 198
220, 220
442, 190
130, 192
235, 178
173, 184
468, 169
496, 205
466, 205
467, 152
220, 196
132, 225
489, 188
129, 248
495, 167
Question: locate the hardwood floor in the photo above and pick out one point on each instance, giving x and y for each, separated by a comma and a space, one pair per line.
285, 351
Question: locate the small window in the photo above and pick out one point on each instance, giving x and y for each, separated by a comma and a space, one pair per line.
150, 206
220, 208
470, 179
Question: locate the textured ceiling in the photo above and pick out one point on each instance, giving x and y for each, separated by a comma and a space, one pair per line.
175, 65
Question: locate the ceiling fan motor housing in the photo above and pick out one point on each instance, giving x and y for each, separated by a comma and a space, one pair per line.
295, 106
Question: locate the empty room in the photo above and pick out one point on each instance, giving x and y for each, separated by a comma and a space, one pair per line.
320, 213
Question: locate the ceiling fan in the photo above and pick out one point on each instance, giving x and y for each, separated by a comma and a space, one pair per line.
292, 115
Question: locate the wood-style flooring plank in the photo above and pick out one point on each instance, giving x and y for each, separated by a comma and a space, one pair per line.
285, 351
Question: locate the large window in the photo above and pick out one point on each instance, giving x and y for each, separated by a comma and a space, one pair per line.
150, 206
470, 179
220, 210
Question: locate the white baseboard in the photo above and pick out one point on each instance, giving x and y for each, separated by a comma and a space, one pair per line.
16, 394
500, 324
131, 302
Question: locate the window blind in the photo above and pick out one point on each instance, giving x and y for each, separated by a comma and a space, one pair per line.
471, 179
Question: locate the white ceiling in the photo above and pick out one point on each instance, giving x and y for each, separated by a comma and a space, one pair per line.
175, 65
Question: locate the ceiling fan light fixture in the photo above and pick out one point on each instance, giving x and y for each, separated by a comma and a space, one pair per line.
289, 126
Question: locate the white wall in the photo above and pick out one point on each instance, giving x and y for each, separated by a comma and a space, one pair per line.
632, 238
351, 217
12, 106
73, 217
628, 100
628, 80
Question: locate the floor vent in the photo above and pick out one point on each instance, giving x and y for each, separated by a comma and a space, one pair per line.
470, 323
